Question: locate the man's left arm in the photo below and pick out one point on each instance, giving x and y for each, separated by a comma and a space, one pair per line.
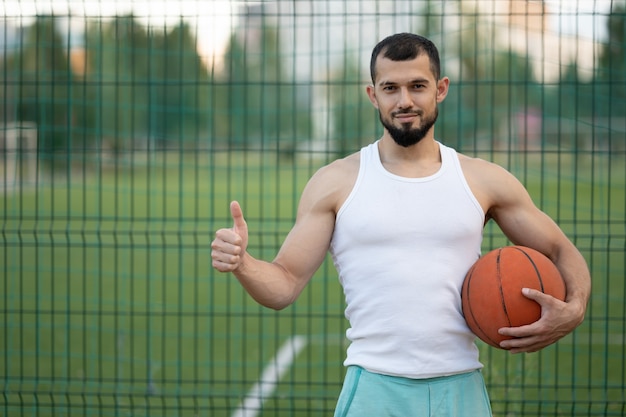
524, 224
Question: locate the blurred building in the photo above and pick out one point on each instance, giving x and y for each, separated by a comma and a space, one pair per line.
526, 27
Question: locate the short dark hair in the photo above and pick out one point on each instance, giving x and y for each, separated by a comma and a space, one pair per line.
405, 47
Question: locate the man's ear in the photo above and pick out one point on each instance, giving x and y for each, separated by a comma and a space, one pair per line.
442, 89
371, 94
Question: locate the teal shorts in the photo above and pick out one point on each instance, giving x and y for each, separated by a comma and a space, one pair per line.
369, 394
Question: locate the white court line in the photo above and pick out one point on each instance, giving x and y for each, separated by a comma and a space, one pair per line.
273, 372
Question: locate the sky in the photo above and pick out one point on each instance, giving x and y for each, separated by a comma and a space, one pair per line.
214, 19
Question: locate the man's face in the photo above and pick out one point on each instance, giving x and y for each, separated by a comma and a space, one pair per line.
406, 94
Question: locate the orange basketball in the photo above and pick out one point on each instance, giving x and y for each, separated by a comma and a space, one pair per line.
492, 291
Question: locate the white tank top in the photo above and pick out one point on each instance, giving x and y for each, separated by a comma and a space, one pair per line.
402, 247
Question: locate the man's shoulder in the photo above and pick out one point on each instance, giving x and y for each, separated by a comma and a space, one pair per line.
333, 182
474, 166
343, 166
491, 183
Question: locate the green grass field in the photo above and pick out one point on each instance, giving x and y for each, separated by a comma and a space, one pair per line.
109, 305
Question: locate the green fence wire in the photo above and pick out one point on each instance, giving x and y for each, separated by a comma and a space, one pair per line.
126, 129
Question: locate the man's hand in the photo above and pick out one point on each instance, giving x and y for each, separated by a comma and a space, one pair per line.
230, 245
558, 318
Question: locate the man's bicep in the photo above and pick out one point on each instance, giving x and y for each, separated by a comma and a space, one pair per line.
526, 225
509, 204
306, 245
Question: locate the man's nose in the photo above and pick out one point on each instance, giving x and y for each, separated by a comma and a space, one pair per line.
405, 101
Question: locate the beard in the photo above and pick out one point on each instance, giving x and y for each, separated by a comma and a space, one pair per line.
405, 136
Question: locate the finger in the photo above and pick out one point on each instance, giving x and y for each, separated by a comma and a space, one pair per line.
526, 348
226, 251
226, 240
223, 266
535, 295
521, 331
225, 256
240, 225
525, 344
546, 301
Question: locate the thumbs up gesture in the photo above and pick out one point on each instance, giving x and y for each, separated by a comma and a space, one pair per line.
230, 245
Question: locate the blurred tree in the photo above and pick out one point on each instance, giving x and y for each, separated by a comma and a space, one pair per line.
147, 87
230, 92
263, 105
496, 85
610, 100
599, 103
119, 54
38, 81
353, 118
612, 65
430, 21
183, 86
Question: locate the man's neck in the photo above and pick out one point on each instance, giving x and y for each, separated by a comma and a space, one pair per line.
419, 160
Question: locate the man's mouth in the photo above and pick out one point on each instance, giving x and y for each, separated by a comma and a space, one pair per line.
406, 116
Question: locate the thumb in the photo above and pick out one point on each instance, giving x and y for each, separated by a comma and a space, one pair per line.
240, 225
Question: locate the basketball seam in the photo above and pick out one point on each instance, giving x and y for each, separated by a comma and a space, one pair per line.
502, 300
530, 259
471, 311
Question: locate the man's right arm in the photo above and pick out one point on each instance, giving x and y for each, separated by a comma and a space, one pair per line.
278, 284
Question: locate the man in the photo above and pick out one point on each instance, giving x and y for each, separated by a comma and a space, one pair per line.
403, 220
